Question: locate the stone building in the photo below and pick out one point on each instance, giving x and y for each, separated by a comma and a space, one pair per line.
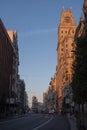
66, 31
13, 36
50, 97
82, 26
45, 101
7, 52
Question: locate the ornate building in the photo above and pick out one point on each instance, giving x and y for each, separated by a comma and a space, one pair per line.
66, 31
50, 97
82, 26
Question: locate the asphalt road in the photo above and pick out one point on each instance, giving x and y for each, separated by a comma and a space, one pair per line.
57, 123
36, 122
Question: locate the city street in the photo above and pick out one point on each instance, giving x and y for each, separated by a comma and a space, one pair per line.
36, 122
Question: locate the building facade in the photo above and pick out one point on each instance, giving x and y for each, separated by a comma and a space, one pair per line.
21, 98
7, 52
50, 97
45, 101
13, 36
35, 104
66, 32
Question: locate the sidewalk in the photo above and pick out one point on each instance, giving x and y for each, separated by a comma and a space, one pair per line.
72, 122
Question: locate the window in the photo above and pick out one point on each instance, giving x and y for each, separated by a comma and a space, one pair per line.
72, 44
62, 49
66, 45
62, 36
72, 31
66, 31
66, 50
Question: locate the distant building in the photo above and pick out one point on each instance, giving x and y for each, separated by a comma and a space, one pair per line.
21, 103
13, 36
34, 104
40, 107
26, 101
45, 101
50, 97
66, 32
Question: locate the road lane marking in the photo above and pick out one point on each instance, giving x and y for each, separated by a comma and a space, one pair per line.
43, 124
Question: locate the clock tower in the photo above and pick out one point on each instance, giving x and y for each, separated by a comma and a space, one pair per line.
66, 32
67, 24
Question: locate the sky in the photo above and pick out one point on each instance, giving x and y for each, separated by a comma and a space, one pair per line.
36, 23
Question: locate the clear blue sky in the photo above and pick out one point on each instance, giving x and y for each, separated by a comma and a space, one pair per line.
36, 22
